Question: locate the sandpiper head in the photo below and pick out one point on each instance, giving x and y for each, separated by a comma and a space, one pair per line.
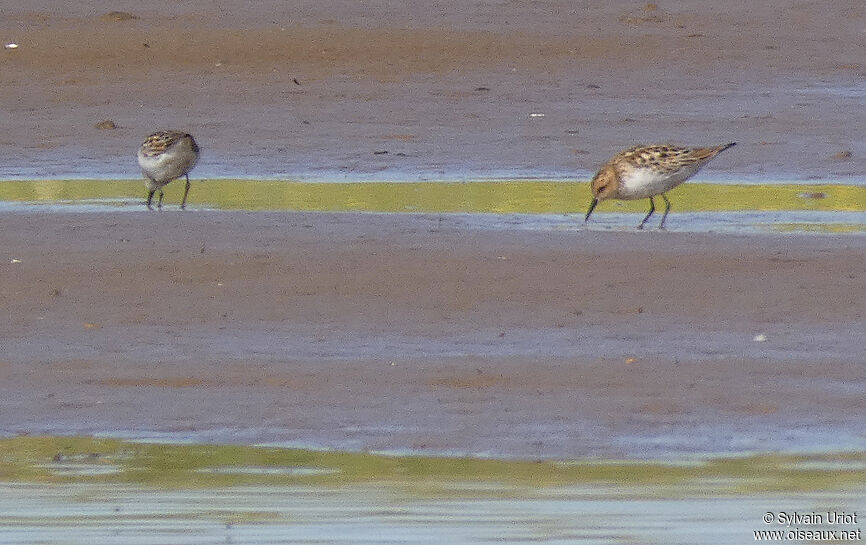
604, 185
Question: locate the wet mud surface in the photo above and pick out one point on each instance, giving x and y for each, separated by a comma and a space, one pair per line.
420, 91
403, 333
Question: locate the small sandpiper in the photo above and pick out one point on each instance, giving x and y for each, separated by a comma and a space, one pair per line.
643, 172
164, 156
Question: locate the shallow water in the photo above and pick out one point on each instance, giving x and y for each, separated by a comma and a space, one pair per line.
259, 495
122, 514
503, 204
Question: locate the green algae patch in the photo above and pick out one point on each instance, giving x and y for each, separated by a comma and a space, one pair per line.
498, 197
183, 466
817, 227
70, 191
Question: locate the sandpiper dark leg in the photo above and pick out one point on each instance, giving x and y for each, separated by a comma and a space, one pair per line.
667, 209
185, 191
150, 199
652, 209
161, 195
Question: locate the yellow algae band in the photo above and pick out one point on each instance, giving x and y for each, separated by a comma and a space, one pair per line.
506, 196
54, 459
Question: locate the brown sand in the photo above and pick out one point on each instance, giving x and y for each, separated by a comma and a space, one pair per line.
311, 88
396, 332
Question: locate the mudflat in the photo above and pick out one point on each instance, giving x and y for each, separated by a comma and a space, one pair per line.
419, 332
406, 332
413, 90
